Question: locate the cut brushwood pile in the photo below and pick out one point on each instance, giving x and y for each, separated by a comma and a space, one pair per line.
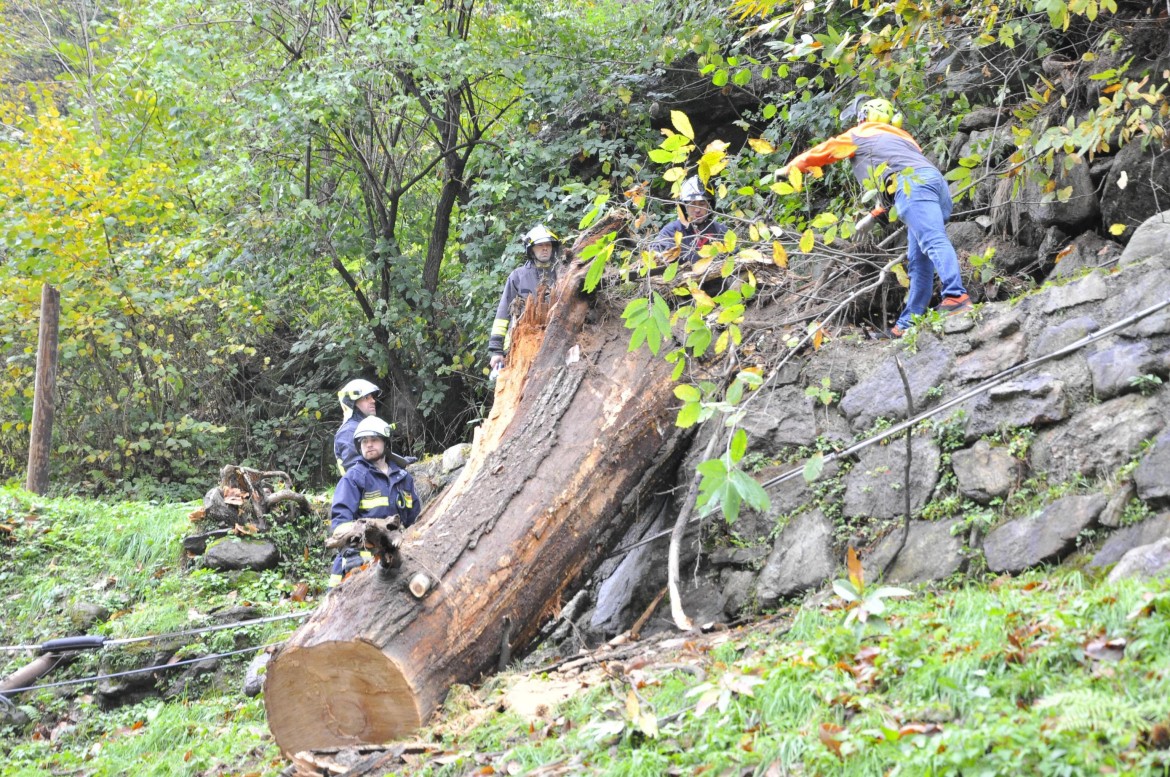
248, 497
580, 436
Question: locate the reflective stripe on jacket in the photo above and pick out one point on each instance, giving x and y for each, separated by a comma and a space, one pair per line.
521, 282
366, 492
692, 239
868, 146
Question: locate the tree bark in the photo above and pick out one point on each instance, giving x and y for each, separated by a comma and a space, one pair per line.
580, 435
44, 387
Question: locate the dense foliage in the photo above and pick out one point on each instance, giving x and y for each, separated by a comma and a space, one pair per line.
245, 204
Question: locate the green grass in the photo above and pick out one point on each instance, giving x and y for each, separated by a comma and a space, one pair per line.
126, 557
976, 680
983, 677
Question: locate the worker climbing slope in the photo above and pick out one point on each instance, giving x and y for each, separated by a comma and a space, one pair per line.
888, 158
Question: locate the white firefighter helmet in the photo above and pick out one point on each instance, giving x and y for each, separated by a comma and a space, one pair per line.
538, 235
356, 389
693, 191
372, 426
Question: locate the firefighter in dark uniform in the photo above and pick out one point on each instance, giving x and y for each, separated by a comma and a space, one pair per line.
696, 225
374, 487
358, 399
542, 250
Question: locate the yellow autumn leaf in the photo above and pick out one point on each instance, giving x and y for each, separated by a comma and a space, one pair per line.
807, 240
749, 255
761, 146
795, 178
682, 124
701, 266
779, 255
1116, 229
900, 273
701, 298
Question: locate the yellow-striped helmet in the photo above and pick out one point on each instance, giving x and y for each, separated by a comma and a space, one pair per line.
356, 389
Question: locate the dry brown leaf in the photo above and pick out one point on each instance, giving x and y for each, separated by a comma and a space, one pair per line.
1102, 649
856, 576
827, 734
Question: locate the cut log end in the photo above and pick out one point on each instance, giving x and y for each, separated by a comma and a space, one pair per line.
347, 693
419, 585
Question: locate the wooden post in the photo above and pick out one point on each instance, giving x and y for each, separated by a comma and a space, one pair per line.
41, 430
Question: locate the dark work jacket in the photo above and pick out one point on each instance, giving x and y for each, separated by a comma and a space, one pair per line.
344, 449
365, 492
521, 282
693, 238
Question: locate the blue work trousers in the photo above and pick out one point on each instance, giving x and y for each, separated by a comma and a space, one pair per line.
924, 205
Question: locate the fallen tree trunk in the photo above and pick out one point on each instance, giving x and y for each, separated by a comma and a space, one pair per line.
581, 433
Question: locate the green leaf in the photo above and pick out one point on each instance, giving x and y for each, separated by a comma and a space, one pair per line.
687, 393
661, 156
688, 415
751, 491
592, 215
739, 442
813, 467
846, 591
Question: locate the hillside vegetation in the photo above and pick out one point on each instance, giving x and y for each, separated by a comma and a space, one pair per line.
246, 204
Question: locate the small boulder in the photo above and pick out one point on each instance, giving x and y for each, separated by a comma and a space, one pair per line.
231, 555
254, 678
1099, 439
874, 488
1114, 511
985, 473
1152, 476
880, 394
802, 558
1114, 365
1045, 536
1147, 562
1034, 400
1126, 539
1091, 288
454, 458
84, 615
931, 552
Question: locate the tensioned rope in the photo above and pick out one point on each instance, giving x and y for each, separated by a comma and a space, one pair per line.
158, 667
987, 385
88, 642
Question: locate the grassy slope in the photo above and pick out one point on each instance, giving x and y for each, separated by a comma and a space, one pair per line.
55, 553
983, 678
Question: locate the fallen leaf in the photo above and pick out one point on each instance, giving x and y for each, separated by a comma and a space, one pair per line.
300, 592
827, 734
1102, 649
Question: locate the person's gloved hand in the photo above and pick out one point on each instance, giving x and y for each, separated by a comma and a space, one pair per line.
497, 360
